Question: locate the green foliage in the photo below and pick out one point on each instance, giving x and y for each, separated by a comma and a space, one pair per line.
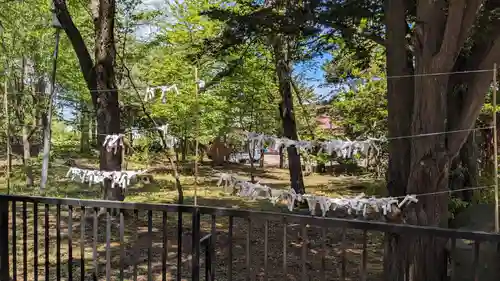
244, 98
455, 206
361, 109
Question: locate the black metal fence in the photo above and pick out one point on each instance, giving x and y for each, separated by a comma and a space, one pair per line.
70, 239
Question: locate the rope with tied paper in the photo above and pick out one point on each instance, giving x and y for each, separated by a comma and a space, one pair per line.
343, 148
121, 179
113, 142
353, 205
150, 92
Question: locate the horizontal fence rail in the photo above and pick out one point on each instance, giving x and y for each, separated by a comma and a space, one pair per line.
70, 239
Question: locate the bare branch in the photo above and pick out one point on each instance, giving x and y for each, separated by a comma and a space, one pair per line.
175, 170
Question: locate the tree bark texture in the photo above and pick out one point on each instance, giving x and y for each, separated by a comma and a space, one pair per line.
100, 78
282, 158
27, 156
464, 171
85, 128
469, 157
261, 160
464, 168
283, 71
420, 106
399, 118
22, 117
400, 94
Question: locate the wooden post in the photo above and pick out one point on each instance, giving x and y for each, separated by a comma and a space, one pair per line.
197, 134
7, 132
495, 144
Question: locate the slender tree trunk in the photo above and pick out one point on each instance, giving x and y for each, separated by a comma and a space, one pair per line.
27, 156
184, 147
47, 128
39, 88
6, 113
282, 158
283, 71
23, 118
84, 129
92, 130
261, 160
487, 151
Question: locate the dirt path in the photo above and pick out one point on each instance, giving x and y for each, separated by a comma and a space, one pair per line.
314, 255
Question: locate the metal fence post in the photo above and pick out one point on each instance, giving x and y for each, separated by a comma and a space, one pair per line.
195, 249
4, 240
208, 259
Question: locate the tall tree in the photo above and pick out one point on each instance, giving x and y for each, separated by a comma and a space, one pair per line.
462, 38
264, 22
99, 76
24, 41
425, 41
424, 97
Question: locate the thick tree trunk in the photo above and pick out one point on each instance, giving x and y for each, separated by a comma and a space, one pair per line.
100, 79
399, 118
438, 36
430, 173
400, 107
107, 107
430, 164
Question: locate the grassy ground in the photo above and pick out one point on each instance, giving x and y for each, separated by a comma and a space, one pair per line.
317, 249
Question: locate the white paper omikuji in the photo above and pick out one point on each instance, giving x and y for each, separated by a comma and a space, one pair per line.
150, 92
360, 204
121, 179
341, 148
112, 142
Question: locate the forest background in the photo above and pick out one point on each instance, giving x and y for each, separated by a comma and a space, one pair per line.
391, 76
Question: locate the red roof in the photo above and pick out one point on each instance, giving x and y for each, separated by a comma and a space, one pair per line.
325, 122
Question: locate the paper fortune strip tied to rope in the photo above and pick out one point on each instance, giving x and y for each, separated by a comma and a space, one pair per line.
150, 92
112, 142
118, 178
341, 148
352, 205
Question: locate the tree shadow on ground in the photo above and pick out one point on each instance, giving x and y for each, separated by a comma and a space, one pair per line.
237, 169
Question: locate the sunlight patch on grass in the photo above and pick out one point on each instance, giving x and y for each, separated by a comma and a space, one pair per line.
163, 190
